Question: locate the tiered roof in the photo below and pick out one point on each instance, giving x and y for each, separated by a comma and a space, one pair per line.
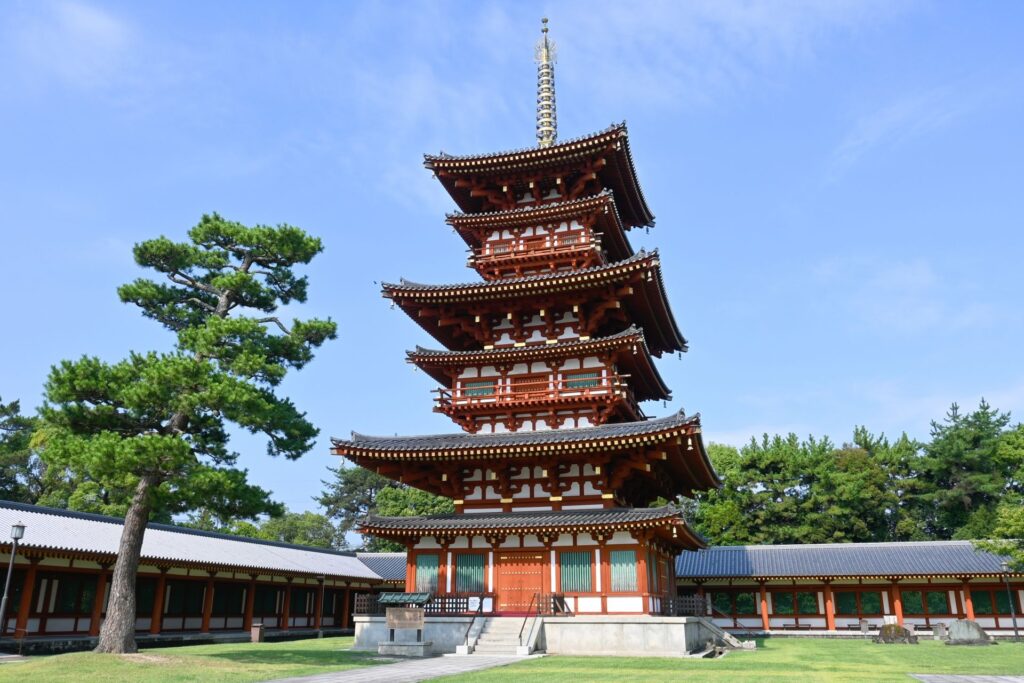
647, 300
665, 519
677, 437
634, 358
609, 222
612, 144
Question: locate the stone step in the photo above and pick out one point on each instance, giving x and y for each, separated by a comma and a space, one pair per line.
484, 650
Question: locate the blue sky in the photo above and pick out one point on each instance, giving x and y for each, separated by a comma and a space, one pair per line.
837, 185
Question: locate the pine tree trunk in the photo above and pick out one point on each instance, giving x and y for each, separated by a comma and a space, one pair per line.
118, 632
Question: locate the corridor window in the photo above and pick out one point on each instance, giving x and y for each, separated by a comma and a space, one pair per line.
623, 570
426, 573
576, 571
469, 573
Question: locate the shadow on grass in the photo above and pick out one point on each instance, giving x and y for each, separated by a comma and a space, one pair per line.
298, 657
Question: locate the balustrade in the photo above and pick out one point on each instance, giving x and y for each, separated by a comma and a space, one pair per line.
532, 389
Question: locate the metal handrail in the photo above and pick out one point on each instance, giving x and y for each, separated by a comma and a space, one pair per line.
479, 611
533, 598
741, 628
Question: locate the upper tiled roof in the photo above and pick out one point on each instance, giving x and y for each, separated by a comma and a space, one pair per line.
462, 441
553, 520
573, 345
619, 173
947, 558
532, 213
648, 304
64, 530
609, 221
644, 376
389, 566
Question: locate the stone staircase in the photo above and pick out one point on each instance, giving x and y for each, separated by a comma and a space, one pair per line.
499, 636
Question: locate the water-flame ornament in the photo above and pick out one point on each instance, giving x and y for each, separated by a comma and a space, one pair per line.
547, 120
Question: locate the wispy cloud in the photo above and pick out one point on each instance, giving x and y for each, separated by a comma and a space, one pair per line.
78, 44
909, 117
904, 296
675, 54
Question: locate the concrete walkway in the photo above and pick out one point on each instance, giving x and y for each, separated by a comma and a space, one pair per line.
409, 671
946, 678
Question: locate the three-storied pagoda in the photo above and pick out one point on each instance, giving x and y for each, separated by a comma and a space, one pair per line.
546, 362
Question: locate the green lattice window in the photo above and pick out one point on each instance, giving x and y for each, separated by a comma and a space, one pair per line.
846, 602
479, 388
623, 570
936, 601
746, 603
722, 602
469, 573
576, 571
583, 380
871, 602
982, 602
807, 603
782, 603
912, 602
426, 573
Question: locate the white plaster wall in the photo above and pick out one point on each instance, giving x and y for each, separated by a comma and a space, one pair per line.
625, 604
588, 604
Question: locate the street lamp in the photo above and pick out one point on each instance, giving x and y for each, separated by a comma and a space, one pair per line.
1009, 597
17, 533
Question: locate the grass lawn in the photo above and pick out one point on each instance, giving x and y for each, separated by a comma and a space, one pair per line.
229, 663
788, 659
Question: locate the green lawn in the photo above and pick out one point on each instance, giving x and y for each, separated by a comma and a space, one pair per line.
782, 659
231, 663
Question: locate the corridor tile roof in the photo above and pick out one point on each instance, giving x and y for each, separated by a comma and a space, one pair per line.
80, 532
931, 558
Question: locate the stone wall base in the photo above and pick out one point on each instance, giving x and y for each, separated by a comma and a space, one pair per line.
626, 636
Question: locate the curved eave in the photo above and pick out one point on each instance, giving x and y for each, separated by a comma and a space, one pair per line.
629, 346
659, 326
674, 529
609, 222
676, 440
702, 463
613, 143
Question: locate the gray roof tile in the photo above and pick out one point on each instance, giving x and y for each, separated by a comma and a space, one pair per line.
838, 559
462, 440
516, 520
54, 529
389, 566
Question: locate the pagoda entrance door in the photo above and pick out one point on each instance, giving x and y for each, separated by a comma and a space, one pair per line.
520, 577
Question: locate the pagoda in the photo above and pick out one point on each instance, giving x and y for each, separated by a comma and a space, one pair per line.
544, 365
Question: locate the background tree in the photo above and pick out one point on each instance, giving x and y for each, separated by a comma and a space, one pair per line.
1009, 515
356, 492
21, 470
965, 472
151, 430
302, 528
405, 501
352, 494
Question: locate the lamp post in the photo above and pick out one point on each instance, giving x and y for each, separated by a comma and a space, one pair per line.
1009, 597
17, 533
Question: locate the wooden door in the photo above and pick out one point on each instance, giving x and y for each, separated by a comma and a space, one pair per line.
520, 577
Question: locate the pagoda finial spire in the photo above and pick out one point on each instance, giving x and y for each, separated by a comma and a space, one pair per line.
547, 120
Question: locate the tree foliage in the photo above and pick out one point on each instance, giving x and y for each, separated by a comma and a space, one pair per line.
299, 528
356, 492
964, 483
21, 470
148, 435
